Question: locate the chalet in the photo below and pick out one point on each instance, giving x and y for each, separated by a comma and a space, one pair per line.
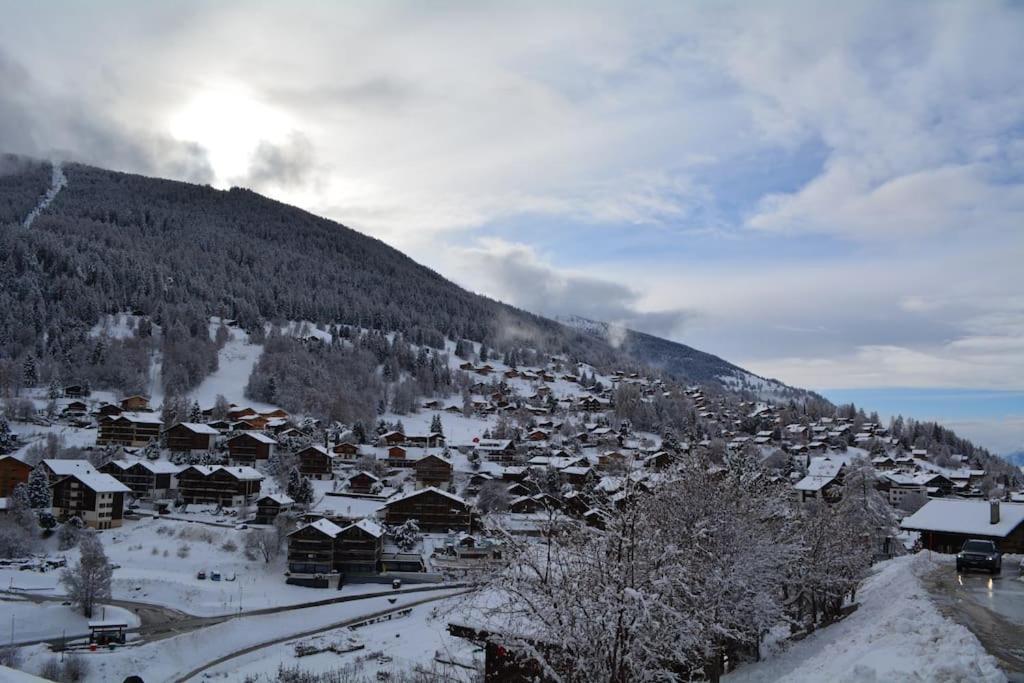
224, 486
824, 476
433, 405
944, 524
346, 450
75, 391
432, 440
363, 482
316, 462
611, 459
189, 436
270, 506
145, 478
897, 486
397, 453
519, 489
497, 450
275, 414
576, 475
250, 447
97, 499
393, 439
883, 463
76, 408
129, 429
222, 426
13, 471
433, 470
312, 553
359, 547
538, 435
433, 510
109, 409
658, 460
58, 469
132, 404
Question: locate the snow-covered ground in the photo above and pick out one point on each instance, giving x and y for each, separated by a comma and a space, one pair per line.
419, 640
28, 621
897, 634
234, 365
168, 659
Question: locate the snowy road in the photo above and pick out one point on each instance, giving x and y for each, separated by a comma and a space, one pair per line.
992, 607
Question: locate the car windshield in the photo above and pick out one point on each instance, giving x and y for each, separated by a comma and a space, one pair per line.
979, 546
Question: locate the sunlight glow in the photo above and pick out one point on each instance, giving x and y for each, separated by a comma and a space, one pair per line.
229, 122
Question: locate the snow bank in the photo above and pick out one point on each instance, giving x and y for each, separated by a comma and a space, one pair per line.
897, 635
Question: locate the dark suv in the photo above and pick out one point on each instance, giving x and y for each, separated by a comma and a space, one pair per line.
977, 554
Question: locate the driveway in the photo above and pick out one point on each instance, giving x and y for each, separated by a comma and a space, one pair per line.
992, 607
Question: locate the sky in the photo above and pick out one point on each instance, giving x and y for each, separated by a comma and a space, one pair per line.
831, 195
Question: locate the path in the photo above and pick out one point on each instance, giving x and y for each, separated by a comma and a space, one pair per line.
330, 627
57, 182
991, 607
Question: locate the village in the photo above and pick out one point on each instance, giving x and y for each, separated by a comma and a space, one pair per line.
428, 500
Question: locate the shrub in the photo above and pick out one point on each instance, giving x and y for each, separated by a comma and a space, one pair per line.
183, 550
229, 546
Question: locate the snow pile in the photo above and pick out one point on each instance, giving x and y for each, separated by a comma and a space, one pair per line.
897, 635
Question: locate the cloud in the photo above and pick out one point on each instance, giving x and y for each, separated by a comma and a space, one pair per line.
517, 274
287, 165
38, 123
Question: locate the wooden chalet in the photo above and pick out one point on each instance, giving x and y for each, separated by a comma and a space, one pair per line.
250, 447
393, 439
128, 429
359, 547
363, 482
76, 408
13, 471
311, 553
346, 451
270, 506
189, 436
433, 470
946, 523
109, 409
432, 440
497, 450
397, 453
433, 509
224, 486
132, 404
96, 498
76, 391
145, 478
316, 462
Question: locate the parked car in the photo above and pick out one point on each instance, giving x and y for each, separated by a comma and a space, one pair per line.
201, 575
978, 554
230, 576
214, 576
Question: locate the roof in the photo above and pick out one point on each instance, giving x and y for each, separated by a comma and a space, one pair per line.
969, 517
259, 436
369, 526
100, 483
324, 526
154, 466
240, 472
420, 492
279, 498
64, 468
197, 428
145, 418
810, 483
824, 467
368, 474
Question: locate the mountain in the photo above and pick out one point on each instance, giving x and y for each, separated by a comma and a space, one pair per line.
1015, 458
102, 242
680, 361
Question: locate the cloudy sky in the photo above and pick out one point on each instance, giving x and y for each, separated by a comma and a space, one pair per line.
834, 199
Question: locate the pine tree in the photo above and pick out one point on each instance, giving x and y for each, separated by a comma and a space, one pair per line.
435, 425
28, 370
38, 490
195, 413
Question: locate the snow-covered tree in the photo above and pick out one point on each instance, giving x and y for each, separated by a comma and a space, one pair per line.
88, 582
299, 488
406, 535
435, 425
69, 532
38, 490
493, 497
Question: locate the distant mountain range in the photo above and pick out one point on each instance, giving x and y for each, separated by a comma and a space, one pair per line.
682, 362
1015, 458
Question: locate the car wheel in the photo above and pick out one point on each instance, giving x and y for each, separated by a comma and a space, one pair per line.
959, 569
998, 569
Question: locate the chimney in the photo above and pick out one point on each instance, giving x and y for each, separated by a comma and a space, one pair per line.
993, 512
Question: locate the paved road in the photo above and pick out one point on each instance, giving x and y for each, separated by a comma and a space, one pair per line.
305, 634
992, 607
157, 621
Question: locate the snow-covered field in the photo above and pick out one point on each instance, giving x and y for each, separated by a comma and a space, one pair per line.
897, 634
28, 621
419, 640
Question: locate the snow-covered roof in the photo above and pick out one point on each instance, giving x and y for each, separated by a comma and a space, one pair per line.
279, 498
493, 444
369, 526
198, 428
825, 467
325, 526
142, 418
420, 492
810, 483
965, 517
154, 466
101, 483
259, 436
64, 468
248, 473
368, 474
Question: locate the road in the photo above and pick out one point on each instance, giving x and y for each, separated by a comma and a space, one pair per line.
305, 634
991, 607
157, 621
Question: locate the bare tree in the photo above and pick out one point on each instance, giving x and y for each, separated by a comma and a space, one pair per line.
89, 581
